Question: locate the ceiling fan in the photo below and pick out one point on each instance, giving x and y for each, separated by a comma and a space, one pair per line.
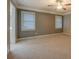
60, 5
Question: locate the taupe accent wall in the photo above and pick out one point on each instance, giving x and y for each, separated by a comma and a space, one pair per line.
45, 24
67, 24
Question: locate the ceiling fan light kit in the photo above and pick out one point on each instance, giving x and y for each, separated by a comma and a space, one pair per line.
59, 6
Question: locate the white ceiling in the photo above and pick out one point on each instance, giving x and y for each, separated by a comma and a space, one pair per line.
42, 5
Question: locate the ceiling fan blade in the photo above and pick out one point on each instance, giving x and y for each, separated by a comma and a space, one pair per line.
64, 8
51, 5
68, 4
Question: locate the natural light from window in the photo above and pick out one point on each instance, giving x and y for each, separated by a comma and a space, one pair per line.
27, 21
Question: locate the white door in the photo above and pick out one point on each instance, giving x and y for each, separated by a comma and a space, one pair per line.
12, 24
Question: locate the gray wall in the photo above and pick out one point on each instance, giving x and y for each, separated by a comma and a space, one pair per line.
45, 24
67, 24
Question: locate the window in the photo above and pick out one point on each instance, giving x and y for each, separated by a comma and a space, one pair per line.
58, 22
27, 21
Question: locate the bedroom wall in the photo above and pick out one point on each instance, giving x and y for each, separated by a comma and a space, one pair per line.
67, 24
45, 24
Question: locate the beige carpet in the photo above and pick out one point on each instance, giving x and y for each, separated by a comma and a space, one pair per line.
42, 47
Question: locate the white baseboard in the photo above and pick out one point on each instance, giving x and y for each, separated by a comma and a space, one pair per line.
67, 34
33, 37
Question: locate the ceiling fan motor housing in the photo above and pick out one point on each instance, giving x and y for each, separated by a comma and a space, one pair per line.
59, 1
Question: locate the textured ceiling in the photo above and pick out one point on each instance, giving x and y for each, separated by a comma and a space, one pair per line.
43, 5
